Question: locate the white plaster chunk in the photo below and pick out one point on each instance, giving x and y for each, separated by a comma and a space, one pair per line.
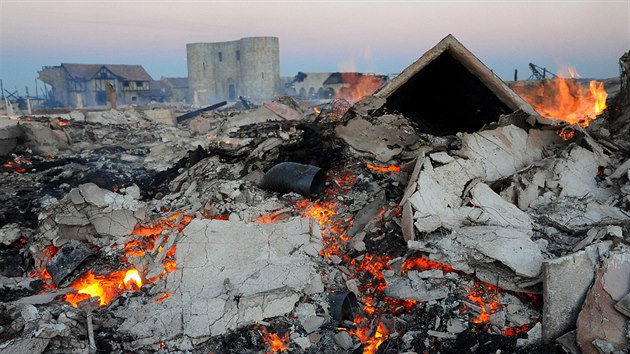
572, 215
437, 200
230, 274
497, 211
511, 247
441, 157
505, 150
576, 175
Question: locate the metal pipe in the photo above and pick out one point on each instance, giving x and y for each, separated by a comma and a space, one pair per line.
287, 177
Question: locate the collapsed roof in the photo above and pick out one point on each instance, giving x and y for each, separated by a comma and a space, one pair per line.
449, 90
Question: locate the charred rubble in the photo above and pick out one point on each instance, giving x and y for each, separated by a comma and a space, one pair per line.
123, 233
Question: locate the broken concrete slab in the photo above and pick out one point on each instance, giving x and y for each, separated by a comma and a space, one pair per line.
10, 131
45, 141
570, 214
505, 150
113, 116
384, 138
576, 174
437, 200
162, 116
568, 343
24, 345
467, 247
230, 274
598, 319
623, 305
413, 287
491, 209
566, 281
283, 111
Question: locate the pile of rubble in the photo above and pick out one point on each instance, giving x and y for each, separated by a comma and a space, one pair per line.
126, 231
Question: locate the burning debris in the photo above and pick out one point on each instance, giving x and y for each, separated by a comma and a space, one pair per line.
370, 228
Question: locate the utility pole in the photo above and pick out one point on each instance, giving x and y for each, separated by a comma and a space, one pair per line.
2, 89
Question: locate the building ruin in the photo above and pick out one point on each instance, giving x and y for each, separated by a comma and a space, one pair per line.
226, 70
87, 85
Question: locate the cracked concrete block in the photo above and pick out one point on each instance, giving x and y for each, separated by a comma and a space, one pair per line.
25, 345
115, 223
229, 274
598, 322
94, 194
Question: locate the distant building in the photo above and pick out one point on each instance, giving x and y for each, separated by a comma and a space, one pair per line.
226, 70
176, 88
85, 85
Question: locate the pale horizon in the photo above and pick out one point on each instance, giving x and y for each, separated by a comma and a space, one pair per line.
315, 36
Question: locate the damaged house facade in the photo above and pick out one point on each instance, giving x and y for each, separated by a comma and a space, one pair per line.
223, 71
88, 85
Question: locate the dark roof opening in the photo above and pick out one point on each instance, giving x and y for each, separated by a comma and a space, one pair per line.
445, 98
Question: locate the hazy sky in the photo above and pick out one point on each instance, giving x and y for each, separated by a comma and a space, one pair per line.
371, 36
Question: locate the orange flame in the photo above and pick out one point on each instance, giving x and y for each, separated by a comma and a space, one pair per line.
358, 86
370, 342
566, 99
105, 287
274, 341
392, 168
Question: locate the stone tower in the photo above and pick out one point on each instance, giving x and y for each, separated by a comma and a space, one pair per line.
225, 70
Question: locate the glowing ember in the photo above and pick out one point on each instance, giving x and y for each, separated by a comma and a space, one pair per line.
105, 287
512, 331
163, 297
485, 296
274, 342
392, 168
370, 345
422, 264
566, 133
63, 122
40, 269
19, 164
566, 99
332, 231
